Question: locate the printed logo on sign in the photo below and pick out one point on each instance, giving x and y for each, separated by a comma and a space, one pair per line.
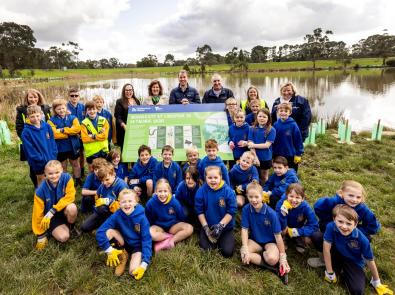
171, 211
221, 202
353, 244
137, 227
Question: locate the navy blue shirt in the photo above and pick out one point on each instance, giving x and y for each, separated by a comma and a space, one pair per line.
78, 110
210, 97
237, 133
190, 93
92, 182
258, 135
288, 142
164, 215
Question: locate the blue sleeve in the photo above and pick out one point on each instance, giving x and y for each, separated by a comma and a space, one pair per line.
245, 222
323, 209
251, 134
101, 236
280, 190
157, 173
369, 223
179, 175
269, 184
297, 141
306, 119
199, 201
179, 211
225, 174
54, 148
328, 235
179, 194
276, 227
255, 176
231, 178
149, 212
88, 181
30, 151
366, 249
146, 241
311, 225
272, 135
231, 206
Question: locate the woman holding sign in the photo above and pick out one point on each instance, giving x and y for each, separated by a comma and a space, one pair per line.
128, 98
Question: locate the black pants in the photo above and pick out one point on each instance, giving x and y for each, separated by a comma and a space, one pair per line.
225, 243
33, 176
318, 239
87, 204
96, 219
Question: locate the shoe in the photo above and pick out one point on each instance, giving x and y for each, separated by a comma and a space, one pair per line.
315, 262
300, 249
276, 270
167, 243
75, 232
123, 259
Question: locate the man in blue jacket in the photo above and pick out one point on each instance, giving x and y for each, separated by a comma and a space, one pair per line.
217, 94
184, 94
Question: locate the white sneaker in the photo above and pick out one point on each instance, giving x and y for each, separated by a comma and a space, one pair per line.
315, 262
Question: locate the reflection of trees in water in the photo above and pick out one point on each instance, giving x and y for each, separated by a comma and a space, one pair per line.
375, 82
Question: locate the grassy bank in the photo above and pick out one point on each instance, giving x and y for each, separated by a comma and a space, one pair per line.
261, 67
78, 268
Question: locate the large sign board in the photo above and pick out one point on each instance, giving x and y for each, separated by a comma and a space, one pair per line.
180, 126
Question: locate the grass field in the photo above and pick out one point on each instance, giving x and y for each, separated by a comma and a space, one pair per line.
77, 267
269, 66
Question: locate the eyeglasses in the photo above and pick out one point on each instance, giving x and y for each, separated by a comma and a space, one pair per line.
231, 104
74, 95
128, 90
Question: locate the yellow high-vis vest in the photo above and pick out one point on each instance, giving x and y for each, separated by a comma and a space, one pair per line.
92, 148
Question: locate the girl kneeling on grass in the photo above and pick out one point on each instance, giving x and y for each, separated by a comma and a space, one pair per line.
261, 239
130, 228
166, 217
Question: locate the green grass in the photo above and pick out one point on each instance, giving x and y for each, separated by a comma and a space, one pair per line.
268, 66
77, 267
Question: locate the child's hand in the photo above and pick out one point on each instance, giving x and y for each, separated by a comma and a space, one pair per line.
284, 266
137, 190
285, 207
330, 277
138, 273
207, 231
231, 145
245, 255
250, 145
380, 288
102, 201
42, 242
239, 189
297, 159
242, 143
45, 222
112, 258
216, 230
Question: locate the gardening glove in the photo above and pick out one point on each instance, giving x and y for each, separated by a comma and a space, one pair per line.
297, 159
265, 197
380, 288
42, 242
208, 234
216, 230
285, 207
47, 219
112, 257
138, 273
293, 232
102, 201
239, 189
330, 277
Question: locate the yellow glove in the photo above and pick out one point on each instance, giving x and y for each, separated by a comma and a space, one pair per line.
102, 201
297, 159
41, 243
112, 258
330, 277
293, 232
138, 273
383, 290
239, 189
45, 222
265, 197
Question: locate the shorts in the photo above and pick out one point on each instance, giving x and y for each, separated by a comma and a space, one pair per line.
100, 154
57, 220
132, 249
63, 156
265, 165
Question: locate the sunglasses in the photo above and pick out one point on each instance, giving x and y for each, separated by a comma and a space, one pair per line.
74, 95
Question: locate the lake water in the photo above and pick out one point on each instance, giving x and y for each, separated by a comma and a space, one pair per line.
363, 96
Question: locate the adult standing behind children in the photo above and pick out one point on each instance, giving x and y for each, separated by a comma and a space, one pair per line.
252, 93
128, 98
184, 94
301, 111
32, 97
218, 93
155, 94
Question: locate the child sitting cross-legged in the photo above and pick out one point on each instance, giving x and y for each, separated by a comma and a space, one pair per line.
91, 184
130, 228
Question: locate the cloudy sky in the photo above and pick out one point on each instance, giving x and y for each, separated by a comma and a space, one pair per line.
131, 29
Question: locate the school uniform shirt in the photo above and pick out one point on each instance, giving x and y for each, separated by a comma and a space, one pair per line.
165, 214
51, 197
355, 247
262, 225
278, 184
238, 176
367, 221
288, 142
173, 174
77, 111
143, 172
67, 138
107, 114
205, 162
250, 119
187, 165
121, 171
258, 135
92, 182
134, 229
302, 218
237, 133
111, 192
185, 195
39, 145
215, 204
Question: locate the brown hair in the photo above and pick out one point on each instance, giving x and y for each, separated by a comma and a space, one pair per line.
90, 105
163, 181
33, 109
128, 191
73, 90
285, 105
268, 123
112, 154
58, 102
248, 90
211, 144
168, 148
297, 188
154, 82
106, 169
193, 173
354, 184
346, 211
280, 160
143, 148
98, 163
37, 93
123, 96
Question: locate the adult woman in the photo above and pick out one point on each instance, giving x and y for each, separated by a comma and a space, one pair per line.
155, 92
252, 93
128, 98
32, 97
301, 111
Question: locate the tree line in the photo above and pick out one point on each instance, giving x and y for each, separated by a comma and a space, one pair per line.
18, 51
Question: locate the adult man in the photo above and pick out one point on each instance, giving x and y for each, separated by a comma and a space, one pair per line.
184, 94
217, 94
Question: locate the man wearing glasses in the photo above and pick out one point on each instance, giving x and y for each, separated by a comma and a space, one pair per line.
217, 94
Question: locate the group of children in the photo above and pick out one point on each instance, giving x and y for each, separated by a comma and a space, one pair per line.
200, 195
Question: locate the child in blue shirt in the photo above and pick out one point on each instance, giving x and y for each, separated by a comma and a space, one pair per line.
193, 160
142, 174
261, 239
106, 198
91, 184
346, 250
241, 175
255, 106
54, 211
260, 139
211, 148
121, 169
238, 135
166, 218
215, 206
130, 228
288, 143
186, 192
278, 182
168, 169
297, 219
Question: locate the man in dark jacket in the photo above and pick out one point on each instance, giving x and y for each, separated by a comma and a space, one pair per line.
217, 94
184, 94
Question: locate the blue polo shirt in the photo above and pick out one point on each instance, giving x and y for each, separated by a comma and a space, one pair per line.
78, 110
355, 247
92, 182
262, 225
258, 135
190, 93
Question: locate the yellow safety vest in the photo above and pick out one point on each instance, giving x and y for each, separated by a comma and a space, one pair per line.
263, 104
92, 148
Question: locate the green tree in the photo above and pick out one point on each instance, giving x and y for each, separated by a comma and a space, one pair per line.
259, 54
169, 60
149, 61
316, 44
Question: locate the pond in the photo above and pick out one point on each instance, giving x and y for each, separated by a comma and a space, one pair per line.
363, 96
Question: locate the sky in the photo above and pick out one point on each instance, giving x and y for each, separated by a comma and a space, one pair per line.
131, 29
